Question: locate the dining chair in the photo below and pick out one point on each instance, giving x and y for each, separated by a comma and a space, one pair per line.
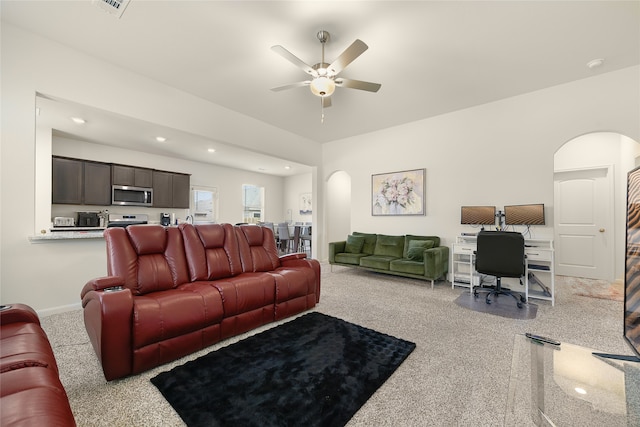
296, 238
284, 238
305, 239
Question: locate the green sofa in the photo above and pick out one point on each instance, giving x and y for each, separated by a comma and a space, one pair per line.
418, 257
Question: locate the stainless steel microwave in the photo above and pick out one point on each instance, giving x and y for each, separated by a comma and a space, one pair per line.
127, 195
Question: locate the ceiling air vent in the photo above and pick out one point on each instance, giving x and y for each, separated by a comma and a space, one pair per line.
114, 7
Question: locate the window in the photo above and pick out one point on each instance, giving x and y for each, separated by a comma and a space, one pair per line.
204, 204
252, 203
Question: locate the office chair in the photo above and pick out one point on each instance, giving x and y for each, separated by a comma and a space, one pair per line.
500, 254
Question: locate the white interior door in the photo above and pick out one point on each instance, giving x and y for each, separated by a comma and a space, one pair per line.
584, 223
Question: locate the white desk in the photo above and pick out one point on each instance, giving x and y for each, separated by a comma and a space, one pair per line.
539, 273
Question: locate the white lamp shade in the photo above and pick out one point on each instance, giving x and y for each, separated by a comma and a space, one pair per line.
322, 86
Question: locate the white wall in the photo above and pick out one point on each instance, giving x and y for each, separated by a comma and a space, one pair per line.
294, 186
49, 276
337, 220
499, 153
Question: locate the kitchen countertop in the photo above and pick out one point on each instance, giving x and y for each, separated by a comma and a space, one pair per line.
66, 235
75, 233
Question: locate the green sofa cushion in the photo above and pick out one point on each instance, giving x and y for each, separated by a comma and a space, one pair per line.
416, 249
391, 246
354, 244
407, 266
345, 258
410, 237
379, 262
369, 242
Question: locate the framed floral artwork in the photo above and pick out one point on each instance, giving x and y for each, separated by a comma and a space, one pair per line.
305, 204
398, 193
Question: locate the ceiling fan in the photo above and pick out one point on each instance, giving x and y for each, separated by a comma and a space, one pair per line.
325, 76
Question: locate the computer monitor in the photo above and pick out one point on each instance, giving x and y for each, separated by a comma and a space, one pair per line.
478, 215
524, 214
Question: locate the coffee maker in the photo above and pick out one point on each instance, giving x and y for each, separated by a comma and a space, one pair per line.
165, 219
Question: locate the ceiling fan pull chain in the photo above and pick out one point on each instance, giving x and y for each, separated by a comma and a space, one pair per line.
321, 111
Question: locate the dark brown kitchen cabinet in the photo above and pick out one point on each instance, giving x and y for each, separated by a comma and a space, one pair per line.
180, 190
170, 190
79, 182
66, 181
97, 184
129, 175
85, 182
162, 189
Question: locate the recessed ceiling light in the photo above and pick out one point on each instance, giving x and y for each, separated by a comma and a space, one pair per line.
595, 63
211, 150
161, 138
287, 167
78, 120
580, 390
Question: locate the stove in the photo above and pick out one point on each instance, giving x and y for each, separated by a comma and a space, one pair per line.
123, 220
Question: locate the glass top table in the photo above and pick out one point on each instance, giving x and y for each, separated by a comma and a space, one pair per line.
567, 385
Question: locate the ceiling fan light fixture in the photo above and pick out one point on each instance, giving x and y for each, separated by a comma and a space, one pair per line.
322, 86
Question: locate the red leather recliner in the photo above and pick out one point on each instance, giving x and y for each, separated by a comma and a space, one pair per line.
172, 291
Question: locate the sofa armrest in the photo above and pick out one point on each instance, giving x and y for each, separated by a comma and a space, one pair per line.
14, 313
108, 318
336, 248
436, 262
296, 255
314, 264
102, 283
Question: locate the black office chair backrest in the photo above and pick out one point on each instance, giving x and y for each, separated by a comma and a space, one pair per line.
500, 253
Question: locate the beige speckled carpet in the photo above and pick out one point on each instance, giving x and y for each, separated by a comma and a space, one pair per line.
458, 375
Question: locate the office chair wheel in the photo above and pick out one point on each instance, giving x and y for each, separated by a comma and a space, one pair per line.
519, 304
522, 299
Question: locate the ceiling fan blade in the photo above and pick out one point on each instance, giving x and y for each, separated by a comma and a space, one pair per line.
294, 60
291, 86
326, 101
358, 84
352, 52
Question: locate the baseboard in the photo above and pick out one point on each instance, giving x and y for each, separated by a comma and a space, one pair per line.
60, 309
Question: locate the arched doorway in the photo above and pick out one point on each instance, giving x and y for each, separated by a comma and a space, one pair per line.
589, 200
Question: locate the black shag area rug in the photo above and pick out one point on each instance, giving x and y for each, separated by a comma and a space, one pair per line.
316, 370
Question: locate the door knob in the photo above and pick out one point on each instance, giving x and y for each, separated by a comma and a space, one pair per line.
602, 230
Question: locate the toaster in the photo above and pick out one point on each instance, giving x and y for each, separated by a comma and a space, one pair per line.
63, 221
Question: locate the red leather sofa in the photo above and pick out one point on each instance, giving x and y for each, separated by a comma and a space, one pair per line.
31, 393
173, 291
